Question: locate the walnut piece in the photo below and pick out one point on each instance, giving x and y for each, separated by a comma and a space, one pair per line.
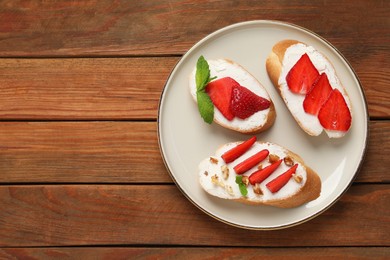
229, 190
213, 160
215, 180
273, 158
288, 161
225, 171
257, 189
245, 180
260, 166
298, 178
206, 173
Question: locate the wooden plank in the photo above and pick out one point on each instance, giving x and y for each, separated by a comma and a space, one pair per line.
82, 88
160, 215
118, 152
80, 152
375, 158
194, 253
125, 88
66, 28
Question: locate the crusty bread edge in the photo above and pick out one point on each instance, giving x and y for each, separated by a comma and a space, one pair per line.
311, 190
269, 121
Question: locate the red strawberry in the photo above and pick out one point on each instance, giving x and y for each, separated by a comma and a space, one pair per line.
260, 175
335, 114
302, 75
276, 184
220, 92
239, 150
317, 96
251, 162
245, 103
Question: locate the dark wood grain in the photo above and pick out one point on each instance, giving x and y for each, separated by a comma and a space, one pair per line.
117, 89
117, 152
171, 27
160, 215
119, 253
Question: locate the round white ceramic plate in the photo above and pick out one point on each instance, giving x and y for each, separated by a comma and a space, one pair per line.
185, 139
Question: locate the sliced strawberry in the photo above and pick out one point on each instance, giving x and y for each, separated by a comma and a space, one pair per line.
335, 114
302, 75
260, 175
251, 162
220, 92
245, 103
317, 95
276, 184
239, 150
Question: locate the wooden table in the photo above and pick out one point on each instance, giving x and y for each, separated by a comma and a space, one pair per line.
81, 175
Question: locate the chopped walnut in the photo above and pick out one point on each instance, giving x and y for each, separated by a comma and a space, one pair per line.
206, 173
260, 166
213, 160
288, 161
229, 189
245, 180
215, 180
257, 189
273, 158
225, 171
298, 178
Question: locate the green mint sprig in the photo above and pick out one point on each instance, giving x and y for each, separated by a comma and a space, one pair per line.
241, 185
202, 78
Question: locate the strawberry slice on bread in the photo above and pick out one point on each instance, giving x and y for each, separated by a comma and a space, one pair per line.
302, 75
334, 114
245, 103
239, 150
220, 92
276, 184
237, 100
317, 95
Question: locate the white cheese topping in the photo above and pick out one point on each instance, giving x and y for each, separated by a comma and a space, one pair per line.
228, 188
222, 68
295, 101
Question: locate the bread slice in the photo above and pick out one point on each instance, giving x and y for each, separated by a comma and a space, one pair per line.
258, 122
283, 56
303, 187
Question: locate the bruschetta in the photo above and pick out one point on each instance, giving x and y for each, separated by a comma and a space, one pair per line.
308, 84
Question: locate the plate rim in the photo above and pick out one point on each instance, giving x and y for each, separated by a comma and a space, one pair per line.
254, 23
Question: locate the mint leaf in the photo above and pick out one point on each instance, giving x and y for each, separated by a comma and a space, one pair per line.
205, 106
202, 76
210, 79
238, 179
241, 185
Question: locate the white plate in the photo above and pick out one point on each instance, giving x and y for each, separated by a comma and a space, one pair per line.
185, 139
